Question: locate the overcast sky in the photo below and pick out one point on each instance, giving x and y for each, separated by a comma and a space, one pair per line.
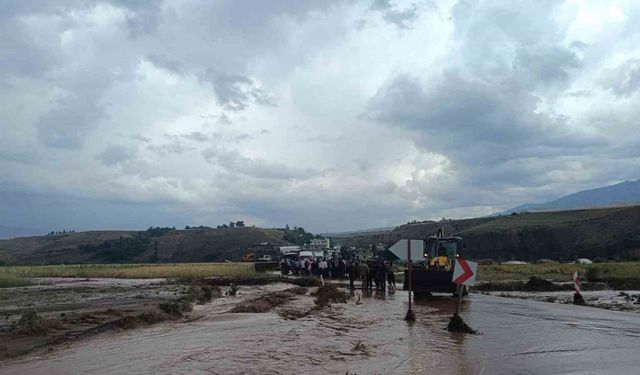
332, 115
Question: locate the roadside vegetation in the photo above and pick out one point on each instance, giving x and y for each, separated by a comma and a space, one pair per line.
559, 272
8, 280
15, 274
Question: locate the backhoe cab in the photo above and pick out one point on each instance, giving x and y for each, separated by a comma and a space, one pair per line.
435, 273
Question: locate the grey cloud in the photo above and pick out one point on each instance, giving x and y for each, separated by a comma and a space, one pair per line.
24, 54
624, 81
17, 156
579, 45
546, 64
580, 94
483, 114
175, 147
489, 32
236, 163
196, 136
224, 119
390, 13
141, 138
486, 101
168, 64
143, 15
115, 154
235, 92
69, 122
323, 138
489, 131
471, 120
242, 137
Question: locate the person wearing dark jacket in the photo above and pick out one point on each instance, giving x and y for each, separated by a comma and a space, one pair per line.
352, 273
370, 274
363, 271
391, 277
382, 275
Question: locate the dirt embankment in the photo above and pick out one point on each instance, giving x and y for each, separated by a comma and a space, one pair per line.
268, 301
324, 297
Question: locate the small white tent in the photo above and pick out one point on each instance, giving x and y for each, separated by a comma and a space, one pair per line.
584, 261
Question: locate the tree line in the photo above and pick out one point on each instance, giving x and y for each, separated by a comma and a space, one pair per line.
299, 236
57, 233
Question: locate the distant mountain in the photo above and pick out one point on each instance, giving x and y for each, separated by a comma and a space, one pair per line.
622, 194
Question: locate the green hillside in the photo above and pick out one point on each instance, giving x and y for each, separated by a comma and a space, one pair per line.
611, 233
154, 245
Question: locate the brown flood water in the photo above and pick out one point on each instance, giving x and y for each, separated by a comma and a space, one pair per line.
519, 337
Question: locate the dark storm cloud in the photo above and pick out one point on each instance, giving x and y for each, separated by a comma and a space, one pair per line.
473, 122
488, 105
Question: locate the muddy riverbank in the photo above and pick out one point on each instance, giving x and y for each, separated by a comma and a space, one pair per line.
54, 312
602, 299
365, 335
283, 329
596, 294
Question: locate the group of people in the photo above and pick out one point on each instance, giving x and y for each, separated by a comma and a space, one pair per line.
368, 272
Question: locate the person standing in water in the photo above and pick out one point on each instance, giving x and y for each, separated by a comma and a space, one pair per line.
391, 278
363, 271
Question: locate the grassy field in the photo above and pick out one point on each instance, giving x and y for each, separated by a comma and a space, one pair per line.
133, 271
11, 280
11, 276
559, 272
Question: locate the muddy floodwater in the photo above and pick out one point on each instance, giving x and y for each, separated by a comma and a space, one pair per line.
365, 336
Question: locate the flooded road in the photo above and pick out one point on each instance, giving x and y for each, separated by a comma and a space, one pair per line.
365, 336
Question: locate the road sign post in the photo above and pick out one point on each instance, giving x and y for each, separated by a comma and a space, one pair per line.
407, 250
577, 296
464, 273
410, 315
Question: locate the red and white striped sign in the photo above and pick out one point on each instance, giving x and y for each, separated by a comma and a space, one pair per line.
576, 282
465, 272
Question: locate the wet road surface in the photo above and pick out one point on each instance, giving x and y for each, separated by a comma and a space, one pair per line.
518, 337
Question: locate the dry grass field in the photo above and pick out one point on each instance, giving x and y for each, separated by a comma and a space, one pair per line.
130, 271
559, 272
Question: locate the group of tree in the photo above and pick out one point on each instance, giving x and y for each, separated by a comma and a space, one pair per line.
57, 233
198, 227
232, 224
414, 221
298, 235
158, 231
